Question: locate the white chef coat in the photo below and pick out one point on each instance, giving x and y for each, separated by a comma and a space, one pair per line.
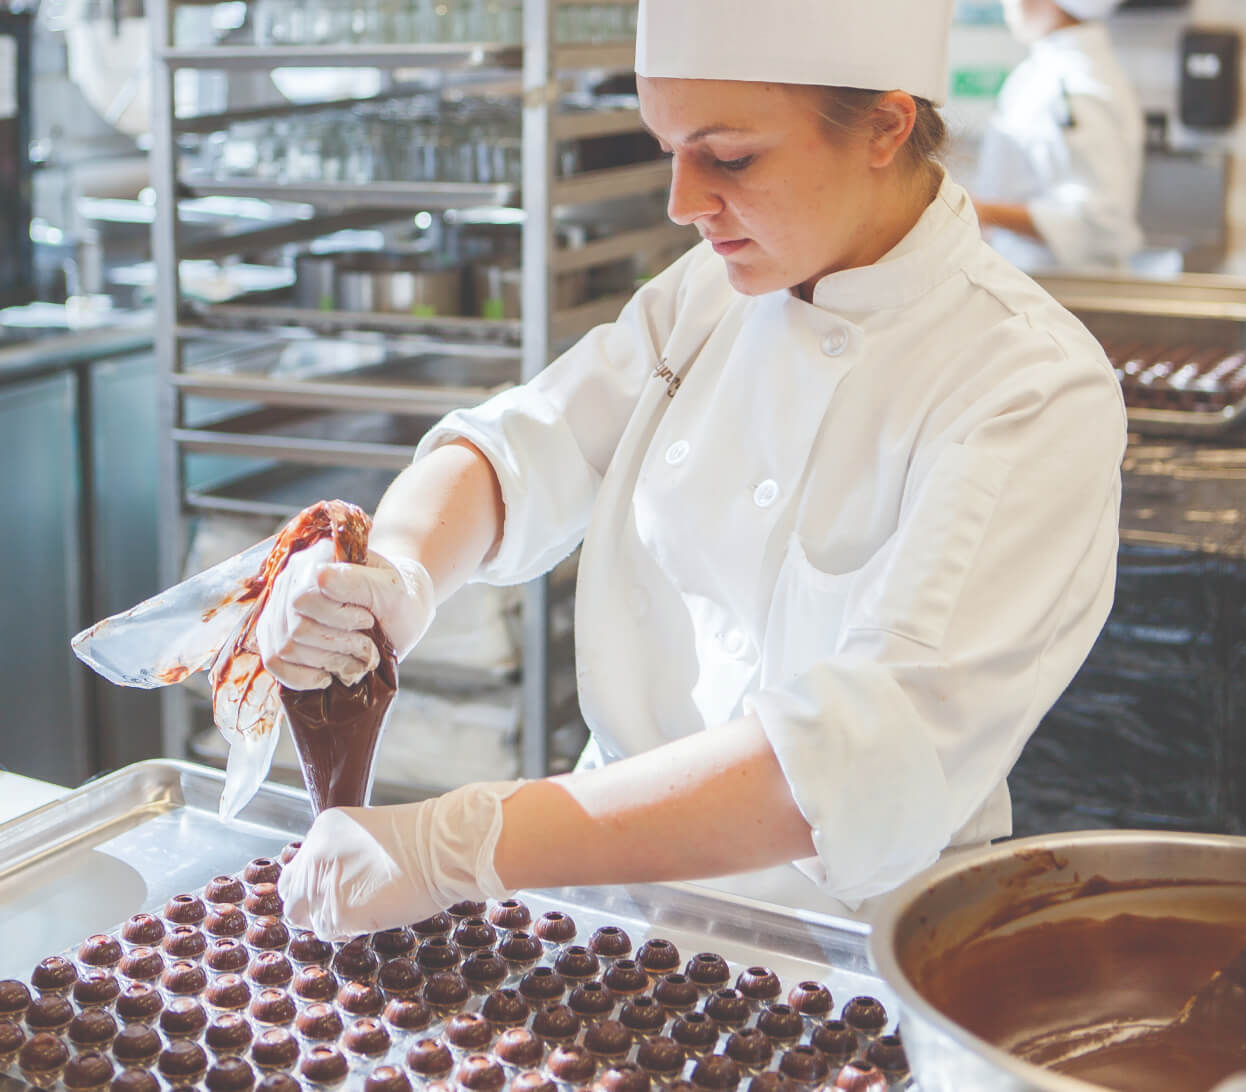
884, 523
1066, 140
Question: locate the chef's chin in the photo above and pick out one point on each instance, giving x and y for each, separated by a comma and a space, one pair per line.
750, 280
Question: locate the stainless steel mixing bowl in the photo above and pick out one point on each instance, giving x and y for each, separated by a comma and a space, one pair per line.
965, 896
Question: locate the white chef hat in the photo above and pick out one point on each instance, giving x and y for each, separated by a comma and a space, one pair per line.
1089, 9
879, 45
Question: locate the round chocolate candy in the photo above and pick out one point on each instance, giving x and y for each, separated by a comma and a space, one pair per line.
505, 1009
407, 1014
401, 977
676, 992
542, 986
262, 870
576, 963
136, 1044
859, 1075
772, 1081
366, 1037
480, 1073
484, 970
227, 955
50, 1013
54, 975
430, 1059
87, 1070
100, 950
360, 998
386, 1078
473, 934
519, 1047
392, 943
14, 997
623, 1077
695, 1032
520, 948
608, 1039
836, 1040
183, 1018
91, 1029
324, 1065
467, 908
804, 1064
184, 942
658, 957
263, 900
182, 1062
759, 984
273, 1007
716, 1072
139, 1003
810, 998
446, 991
230, 1075
437, 925
229, 1033
315, 983
643, 1015
727, 1007
289, 850
225, 889
228, 992
306, 947
185, 910
625, 978
750, 1048
11, 1039
275, 1048
42, 1058
141, 964
887, 1052
469, 1031
96, 987
278, 1082
532, 1081
135, 1080
610, 942
319, 1021
143, 929
554, 927
268, 933
781, 1023
225, 920
591, 1000
556, 1024
865, 1014
356, 960
270, 969
571, 1063
510, 914
438, 954
708, 970
661, 1056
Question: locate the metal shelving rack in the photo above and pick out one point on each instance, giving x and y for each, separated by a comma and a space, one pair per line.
490, 352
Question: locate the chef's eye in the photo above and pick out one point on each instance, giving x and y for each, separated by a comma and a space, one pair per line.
733, 164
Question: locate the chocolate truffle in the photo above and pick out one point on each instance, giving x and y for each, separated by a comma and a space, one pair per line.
554, 927
480, 1073
610, 942
272, 1006
275, 1048
225, 920
306, 947
727, 1007
224, 889
184, 942
571, 1063
360, 998
289, 850
392, 943
366, 1037
836, 1040
54, 975
11, 1039
510, 914
438, 954
227, 955
541, 986
658, 957
473, 934
484, 970
772, 1081
804, 1064
141, 964
608, 1039
270, 969
715, 1072
430, 1059
229, 992
228, 1033
92, 1029
42, 1058
386, 1078
324, 1065
505, 1008
437, 925
887, 1052
183, 1018
144, 929
759, 984
136, 1044
185, 910
262, 870
676, 992
625, 978
139, 1003
643, 1015
135, 1080
407, 1014
531, 1081
315, 983
446, 991
263, 900
865, 1014
750, 1048
519, 1047
520, 949
591, 1001
810, 998
401, 977
49, 1014
278, 1082
576, 963
90, 1069
182, 1062
781, 1023
230, 1075
14, 997
469, 1031
100, 950
859, 1075
695, 1031
556, 1024
661, 1056
356, 960
319, 1021
268, 933
623, 1077
96, 987
708, 970
468, 908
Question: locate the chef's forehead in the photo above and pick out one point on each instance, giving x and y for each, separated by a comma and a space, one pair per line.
691, 110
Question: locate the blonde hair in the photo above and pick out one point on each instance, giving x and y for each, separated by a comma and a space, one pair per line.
848, 108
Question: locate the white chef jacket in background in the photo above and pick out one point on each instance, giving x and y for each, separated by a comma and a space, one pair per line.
884, 522
1066, 141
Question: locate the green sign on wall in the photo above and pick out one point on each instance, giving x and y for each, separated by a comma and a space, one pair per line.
978, 83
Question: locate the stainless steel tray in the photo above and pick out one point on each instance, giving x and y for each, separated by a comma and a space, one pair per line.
129, 841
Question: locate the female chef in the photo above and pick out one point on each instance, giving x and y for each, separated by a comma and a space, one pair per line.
846, 484
1060, 167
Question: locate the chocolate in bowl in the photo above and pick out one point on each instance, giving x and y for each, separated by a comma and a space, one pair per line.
54, 975
230, 1074
87, 1070
182, 1062
228, 1033
271, 969
225, 920
306, 947
184, 942
227, 955
401, 977
185, 909
95, 988
392, 943
11, 1039
510, 914
366, 1037
387, 1078
49, 1013
262, 870
356, 960
183, 1018
100, 950
135, 1080
610, 942
360, 998
224, 889
92, 1029
319, 1022
263, 900
42, 1059
14, 997
406, 1015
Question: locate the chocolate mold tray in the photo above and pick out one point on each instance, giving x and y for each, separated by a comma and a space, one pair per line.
157, 821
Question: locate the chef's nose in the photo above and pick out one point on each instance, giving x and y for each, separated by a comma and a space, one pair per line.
692, 196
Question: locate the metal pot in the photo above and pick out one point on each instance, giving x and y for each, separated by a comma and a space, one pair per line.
398, 284
498, 290
314, 276
983, 894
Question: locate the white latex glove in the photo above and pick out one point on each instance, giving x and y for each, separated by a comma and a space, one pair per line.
316, 621
361, 870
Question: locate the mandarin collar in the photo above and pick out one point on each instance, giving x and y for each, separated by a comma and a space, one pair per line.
1078, 38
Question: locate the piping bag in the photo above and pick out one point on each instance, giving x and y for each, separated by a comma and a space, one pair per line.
208, 623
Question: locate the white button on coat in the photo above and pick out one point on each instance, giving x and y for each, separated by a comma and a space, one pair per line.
766, 494
677, 452
835, 342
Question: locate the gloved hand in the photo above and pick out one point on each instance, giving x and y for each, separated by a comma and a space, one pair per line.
361, 870
316, 621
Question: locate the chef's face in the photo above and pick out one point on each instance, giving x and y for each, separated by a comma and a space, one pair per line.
783, 198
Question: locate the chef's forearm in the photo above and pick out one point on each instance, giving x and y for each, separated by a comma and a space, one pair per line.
446, 511
1011, 217
707, 805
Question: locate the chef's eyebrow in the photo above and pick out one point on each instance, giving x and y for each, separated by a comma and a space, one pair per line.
703, 132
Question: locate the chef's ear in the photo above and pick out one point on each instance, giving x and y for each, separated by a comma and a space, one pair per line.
891, 121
